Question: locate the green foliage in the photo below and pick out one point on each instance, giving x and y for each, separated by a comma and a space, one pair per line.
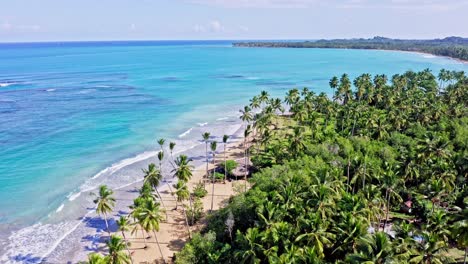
337, 168
218, 176
195, 213
199, 191
230, 166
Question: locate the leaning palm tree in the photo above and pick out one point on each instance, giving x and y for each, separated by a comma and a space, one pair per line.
124, 226
149, 218
247, 132
105, 203
171, 149
116, 247
206, 137
225, 139
153, 177
213, 147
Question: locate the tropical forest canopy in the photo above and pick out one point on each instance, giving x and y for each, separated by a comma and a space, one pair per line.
375, 174
454, 47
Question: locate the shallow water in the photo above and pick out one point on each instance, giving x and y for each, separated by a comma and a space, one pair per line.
77, 115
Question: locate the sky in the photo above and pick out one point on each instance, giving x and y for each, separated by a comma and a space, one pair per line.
87, 20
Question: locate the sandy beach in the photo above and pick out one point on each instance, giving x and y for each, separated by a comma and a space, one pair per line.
89, 235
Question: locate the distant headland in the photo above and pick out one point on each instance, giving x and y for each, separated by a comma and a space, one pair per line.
453, 47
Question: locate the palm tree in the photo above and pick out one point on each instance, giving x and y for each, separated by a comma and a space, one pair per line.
96, 258
334, 84
375, 248
247, 131
254, 102
124, 226
206, 138
183, 194
213, 147
184, 170
430, 250
171, 149
153, 177
225, 139
149, 218
116, 247
105, 203
161, 142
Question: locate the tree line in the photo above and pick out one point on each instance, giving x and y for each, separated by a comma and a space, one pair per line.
375, 174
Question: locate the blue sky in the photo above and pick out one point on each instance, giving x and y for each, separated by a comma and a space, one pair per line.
68, 20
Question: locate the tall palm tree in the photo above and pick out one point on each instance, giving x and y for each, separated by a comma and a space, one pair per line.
124, 226
153, 177
213, 147
161, 142
375, 248
247, 132
334, 84
149, 218
116, 251
206, 138
105, 203
225, 139
171, 149
183, 194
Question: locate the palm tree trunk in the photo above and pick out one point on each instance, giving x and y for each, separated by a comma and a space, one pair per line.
225, 166
347, 174
159, 246
144, 237
213, 183
107, 225
172, 193
388, 209
245, 164
162, 202
126, 245
186, 222
206, 154
191, 209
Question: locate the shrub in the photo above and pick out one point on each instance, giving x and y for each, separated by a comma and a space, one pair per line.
199, 191
219, 176
230, 166
196, 212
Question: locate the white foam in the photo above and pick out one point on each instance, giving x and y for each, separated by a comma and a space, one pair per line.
186, 132
50, 90
5, 84
73, 196
222, 118
60, 208
123, 163
202, 124
428, 56
253, 78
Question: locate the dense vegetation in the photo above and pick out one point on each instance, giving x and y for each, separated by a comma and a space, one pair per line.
377, 174
453, 47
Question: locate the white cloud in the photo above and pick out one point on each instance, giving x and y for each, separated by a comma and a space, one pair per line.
216, 26
394, 4
7, 26
133, 27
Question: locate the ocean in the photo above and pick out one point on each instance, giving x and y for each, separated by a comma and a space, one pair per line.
75, 115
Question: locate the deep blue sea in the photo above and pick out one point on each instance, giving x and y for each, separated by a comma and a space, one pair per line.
72, 114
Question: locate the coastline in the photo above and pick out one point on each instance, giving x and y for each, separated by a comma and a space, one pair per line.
82, 236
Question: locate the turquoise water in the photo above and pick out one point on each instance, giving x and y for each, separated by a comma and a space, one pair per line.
70, 110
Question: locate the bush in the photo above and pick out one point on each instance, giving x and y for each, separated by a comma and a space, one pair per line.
230, 166
199, 191
219, 176
196, 212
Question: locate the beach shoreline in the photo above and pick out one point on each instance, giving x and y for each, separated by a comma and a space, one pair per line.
76, 240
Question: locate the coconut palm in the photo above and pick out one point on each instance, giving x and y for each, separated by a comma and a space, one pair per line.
247, 132
213, 147
430, 250
182, 194
376, 248
124, 226
116, 251
153, 177
334, 84
161, 142
184, 169
171, 149
460, 233
96, 258
225, 139
149, 218
105, 203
